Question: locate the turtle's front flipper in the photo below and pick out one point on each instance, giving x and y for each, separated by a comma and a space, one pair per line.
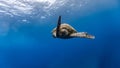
82, 35
58, 26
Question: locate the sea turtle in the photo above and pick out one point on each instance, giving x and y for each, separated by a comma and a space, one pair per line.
65, 31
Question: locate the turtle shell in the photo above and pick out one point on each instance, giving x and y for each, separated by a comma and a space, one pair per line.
65, 31
69, 28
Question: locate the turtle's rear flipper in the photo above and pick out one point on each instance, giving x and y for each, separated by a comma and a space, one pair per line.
58, 26
82, 35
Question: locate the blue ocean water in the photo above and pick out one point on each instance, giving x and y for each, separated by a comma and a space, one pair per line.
26, 40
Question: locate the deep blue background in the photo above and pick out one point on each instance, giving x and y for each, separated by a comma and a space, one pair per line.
32, 45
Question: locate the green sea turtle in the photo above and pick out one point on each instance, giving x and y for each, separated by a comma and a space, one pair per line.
65, 31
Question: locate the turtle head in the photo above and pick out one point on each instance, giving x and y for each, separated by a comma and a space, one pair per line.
63, 33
